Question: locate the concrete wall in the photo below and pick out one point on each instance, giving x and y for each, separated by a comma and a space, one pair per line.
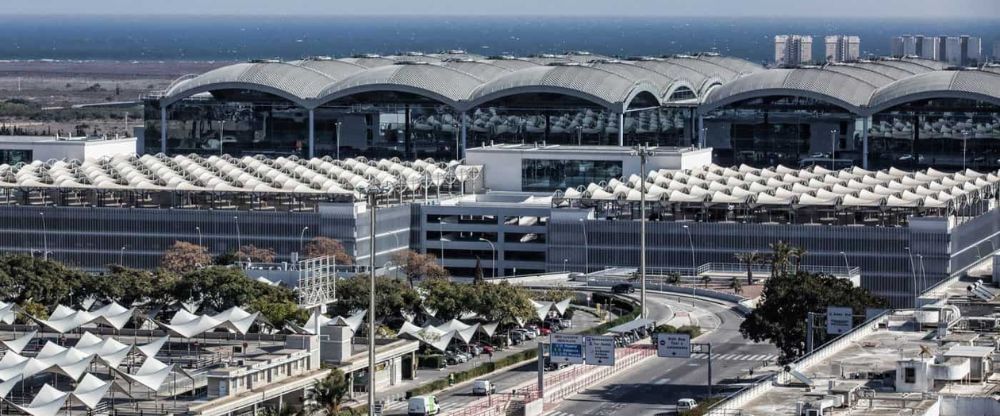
968, 406
50, 148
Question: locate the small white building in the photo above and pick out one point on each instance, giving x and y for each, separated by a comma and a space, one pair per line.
16, 149
546, 168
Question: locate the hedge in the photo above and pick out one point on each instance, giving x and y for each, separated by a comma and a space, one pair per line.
620, 303
431, 361
475, 372
691, 330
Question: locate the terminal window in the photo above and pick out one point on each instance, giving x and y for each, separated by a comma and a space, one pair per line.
544, 175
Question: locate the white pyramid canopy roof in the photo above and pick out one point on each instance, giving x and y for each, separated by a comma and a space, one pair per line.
90, 390
12, 365
8, 313
429, 335
490, 328
17, 345
466, 334
189, 325
154, 347
48, 402
8, 385
236, 319
113, 315
109, 350
151, 374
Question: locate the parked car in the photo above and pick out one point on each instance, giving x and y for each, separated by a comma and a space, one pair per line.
623, 288
534, 328
566, 323
422, 406
518, 336
528, 333
484, 347
686, 404
553, 366
555, 324
545, 331
483, 388
459, 356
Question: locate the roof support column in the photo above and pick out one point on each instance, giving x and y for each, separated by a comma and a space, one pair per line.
460, 153
312, 133
702, 140
621, 128
864, 142
163, 129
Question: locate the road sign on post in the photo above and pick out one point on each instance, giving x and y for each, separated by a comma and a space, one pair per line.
839, 320
600, 350
564, 348
673, 345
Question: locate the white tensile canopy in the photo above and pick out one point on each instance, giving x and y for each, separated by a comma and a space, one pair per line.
8, 312
153, 347
17, 345
236, 319
189, 325
429, 335
90, 390
48, 402
151, 374
108, 350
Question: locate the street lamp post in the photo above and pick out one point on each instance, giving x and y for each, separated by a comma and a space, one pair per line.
198, 229
965, 140
121, 257
586, 248
441, 238
913, 271
846, 263
372, 192
494, 249
301, 236
923, 271
564, 264
833, 149
337, 124
239, 238
643, 152
45, 238
222, 128
694, 268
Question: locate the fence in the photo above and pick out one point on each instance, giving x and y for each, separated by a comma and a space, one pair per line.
731, 405
740, 269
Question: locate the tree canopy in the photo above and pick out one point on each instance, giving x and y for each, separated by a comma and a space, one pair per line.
417, 266
46, 282
183, 257
326, 246
392, 297
787, 298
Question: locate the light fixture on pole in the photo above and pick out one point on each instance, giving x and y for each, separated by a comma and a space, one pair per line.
642, 152
239, 239
586, 248
494, 249
121, 257
337, 124
846, 263
965, 140
913, 271
372, 192
45, 238
694, 268
833, 149
198, 229
301, 236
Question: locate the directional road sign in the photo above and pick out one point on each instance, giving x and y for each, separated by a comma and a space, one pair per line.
600, 350
673, 345
565, 348
839, 320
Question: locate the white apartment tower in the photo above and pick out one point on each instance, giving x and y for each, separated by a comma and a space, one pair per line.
792, 50
842, 48
955, 50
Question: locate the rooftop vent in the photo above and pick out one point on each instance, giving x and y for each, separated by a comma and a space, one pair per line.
265, 61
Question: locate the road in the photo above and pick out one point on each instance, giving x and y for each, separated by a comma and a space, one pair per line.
655, 386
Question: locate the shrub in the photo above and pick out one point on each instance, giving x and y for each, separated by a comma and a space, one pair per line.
475, 372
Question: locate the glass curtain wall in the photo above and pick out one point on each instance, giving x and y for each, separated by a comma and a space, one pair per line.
943, 133
543, 175
782, 130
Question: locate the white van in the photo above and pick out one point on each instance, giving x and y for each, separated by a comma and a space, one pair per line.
686, 404
422, 406
483, 388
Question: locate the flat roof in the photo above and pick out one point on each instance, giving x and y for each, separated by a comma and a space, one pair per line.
563, 148
60, 140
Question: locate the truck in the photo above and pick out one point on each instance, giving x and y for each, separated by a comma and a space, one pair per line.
423, 406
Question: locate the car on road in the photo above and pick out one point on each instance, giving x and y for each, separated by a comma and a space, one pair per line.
422, 406
684, 405
484, 347
553, 366
483, 388
623, 288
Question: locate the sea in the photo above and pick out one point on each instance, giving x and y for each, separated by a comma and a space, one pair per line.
237, 38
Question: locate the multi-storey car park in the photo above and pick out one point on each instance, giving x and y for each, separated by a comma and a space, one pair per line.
877, 113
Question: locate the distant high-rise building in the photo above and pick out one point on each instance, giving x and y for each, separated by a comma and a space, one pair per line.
996, 50
956, 50
927, 47
842, 48
791, 50
972, 50
896, 47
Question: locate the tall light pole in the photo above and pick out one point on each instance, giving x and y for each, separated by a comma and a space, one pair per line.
833, 149
913, 271
846, 263
923, 271
586, 248
441, 237
372, 193
239, 239
643, 152
694, 268
222, 128
965, 140
564, 264
198, 229
337, 124
494, 249
121, 257
301, 236
45, 238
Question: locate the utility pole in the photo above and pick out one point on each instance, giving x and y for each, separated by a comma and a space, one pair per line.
643, 152
372, 193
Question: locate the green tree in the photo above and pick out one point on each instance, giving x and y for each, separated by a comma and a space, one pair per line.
797, 254
278, 306
736, 285
46, 282
557, 293
328, 394
217, 287
673, 278
749, 260
781, 253
123, 285
255, 254
183, 257
787, 299
449, 299
417, 266
502, 302
326, 246
705, 280
392, 297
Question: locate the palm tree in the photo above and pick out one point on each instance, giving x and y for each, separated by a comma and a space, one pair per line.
705, 280
274, 411
328, 394
749, 260
779, 259
798, 253
673, 278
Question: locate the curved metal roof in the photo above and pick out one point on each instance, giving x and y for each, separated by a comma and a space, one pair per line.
700, 81
971, 84
334, 68
292, 82
484, 70
629, 70
840, 89
600, 86
370, 61
441, 83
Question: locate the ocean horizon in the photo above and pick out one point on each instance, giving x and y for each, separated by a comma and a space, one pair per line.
238, 38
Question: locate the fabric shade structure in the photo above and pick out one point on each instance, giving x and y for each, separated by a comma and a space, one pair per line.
17, 345
64, 319
8, 385
153, 347
113, 315
188, 325
354, 322
12, 365
8, 312
107, 350
90, 390
542, 308
53, 358
151, 374
429, 335
236, 319
490, 328
48, 402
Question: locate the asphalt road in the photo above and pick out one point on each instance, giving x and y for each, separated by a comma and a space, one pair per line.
655, 387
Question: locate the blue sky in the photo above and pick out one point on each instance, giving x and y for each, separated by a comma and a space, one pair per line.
737, 8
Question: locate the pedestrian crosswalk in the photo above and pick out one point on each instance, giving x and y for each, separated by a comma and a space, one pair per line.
736, 357
560, 414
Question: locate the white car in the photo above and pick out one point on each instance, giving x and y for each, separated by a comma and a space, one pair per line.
483, 388
684, 405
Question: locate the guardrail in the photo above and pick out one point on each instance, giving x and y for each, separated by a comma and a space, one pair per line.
733, 404
741, 269
661, 285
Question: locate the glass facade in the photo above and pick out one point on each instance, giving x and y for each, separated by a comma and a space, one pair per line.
543, 175
949, 134
14, 156
793, 131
